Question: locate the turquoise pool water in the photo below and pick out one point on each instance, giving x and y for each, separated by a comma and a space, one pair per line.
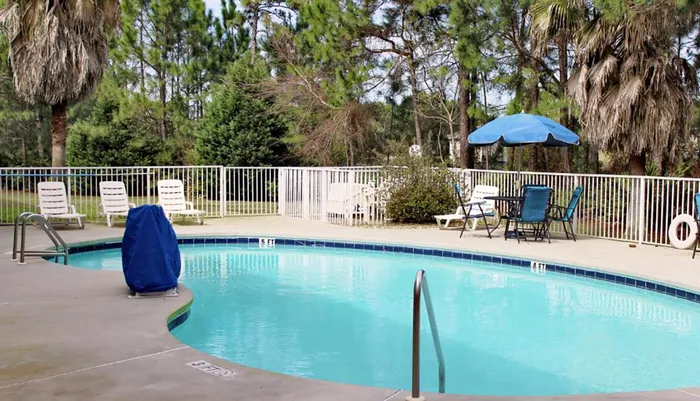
345, 316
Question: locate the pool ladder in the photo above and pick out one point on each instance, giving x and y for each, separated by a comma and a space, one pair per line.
420, 286
21, 223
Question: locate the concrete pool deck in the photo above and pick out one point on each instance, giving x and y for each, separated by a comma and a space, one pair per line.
71, 334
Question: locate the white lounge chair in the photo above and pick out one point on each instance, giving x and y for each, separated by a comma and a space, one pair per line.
171, 197
53, 203
115, 201
478, 194
345, 199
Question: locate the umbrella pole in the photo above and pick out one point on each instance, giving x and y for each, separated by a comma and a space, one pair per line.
520, 167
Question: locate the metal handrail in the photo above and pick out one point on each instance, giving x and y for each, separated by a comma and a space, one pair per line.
43, 223
421, 285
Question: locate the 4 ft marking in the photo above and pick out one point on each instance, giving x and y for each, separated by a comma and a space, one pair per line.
538, 267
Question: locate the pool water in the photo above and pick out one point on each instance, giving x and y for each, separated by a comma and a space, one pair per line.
345, 316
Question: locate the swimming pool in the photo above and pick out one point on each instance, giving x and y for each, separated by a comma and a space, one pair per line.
345, 315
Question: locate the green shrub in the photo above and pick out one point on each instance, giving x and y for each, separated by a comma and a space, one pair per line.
418, 191
239, 127
114, 145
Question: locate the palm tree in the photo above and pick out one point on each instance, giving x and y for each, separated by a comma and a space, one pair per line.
557, 21
634, 92
58, 53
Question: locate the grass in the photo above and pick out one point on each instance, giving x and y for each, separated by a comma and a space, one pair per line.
12, 203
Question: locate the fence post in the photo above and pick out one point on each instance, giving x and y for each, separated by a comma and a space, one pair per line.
576, 214
351, 182
324, 195
305, 194
222, 191
640, 206
148, 185
281, 191
70, 189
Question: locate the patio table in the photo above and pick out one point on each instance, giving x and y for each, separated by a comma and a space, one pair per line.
511, 202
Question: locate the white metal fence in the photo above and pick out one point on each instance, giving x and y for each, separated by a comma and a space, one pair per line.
627, 208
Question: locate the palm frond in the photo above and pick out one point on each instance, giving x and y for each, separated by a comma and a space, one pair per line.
634, 95
58, 54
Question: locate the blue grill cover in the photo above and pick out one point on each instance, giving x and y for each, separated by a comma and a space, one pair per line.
150, 255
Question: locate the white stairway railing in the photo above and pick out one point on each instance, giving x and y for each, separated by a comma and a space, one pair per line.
637, 209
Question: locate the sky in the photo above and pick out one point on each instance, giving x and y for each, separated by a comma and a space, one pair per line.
214, 5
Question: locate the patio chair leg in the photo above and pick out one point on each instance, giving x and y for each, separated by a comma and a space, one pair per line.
563, 225
546, 230
695, 244
109, 221
517, 233
464, 227
488, 231
505, 236
571, 228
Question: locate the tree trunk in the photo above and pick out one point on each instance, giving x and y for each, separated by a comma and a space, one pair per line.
453, 151
563, 77
23, 139
141, 55
58, 134
163, 83
163, 94
638, 163
637, 166
414, 95
592, 159
471, 121
39, 138
254, 31
439, 145
463, 106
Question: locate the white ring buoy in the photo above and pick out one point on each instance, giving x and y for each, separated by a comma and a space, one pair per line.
673, 231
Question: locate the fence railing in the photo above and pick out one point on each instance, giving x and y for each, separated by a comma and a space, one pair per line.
219, 191
627, 208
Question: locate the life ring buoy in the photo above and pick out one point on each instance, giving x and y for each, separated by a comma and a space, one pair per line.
673, 231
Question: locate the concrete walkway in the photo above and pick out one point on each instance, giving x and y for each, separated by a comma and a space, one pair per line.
71, 334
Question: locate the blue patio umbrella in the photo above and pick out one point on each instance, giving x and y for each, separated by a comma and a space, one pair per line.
523, 129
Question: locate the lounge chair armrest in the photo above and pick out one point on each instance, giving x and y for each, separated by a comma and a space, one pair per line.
72, 209
478, 202
189, 205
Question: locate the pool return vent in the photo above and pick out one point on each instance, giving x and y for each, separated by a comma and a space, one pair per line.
420, 286
21, 223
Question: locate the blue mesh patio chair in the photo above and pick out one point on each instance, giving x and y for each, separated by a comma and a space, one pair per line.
697, 221
565, 215
533, 211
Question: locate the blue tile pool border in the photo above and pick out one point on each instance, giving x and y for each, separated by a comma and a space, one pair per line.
180, 319
444, 253
179, 316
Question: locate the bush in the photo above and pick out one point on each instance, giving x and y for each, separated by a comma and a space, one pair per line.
239, 128
418, 191
114, 145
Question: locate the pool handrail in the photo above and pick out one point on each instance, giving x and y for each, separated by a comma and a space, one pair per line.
43, 223
421, 286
